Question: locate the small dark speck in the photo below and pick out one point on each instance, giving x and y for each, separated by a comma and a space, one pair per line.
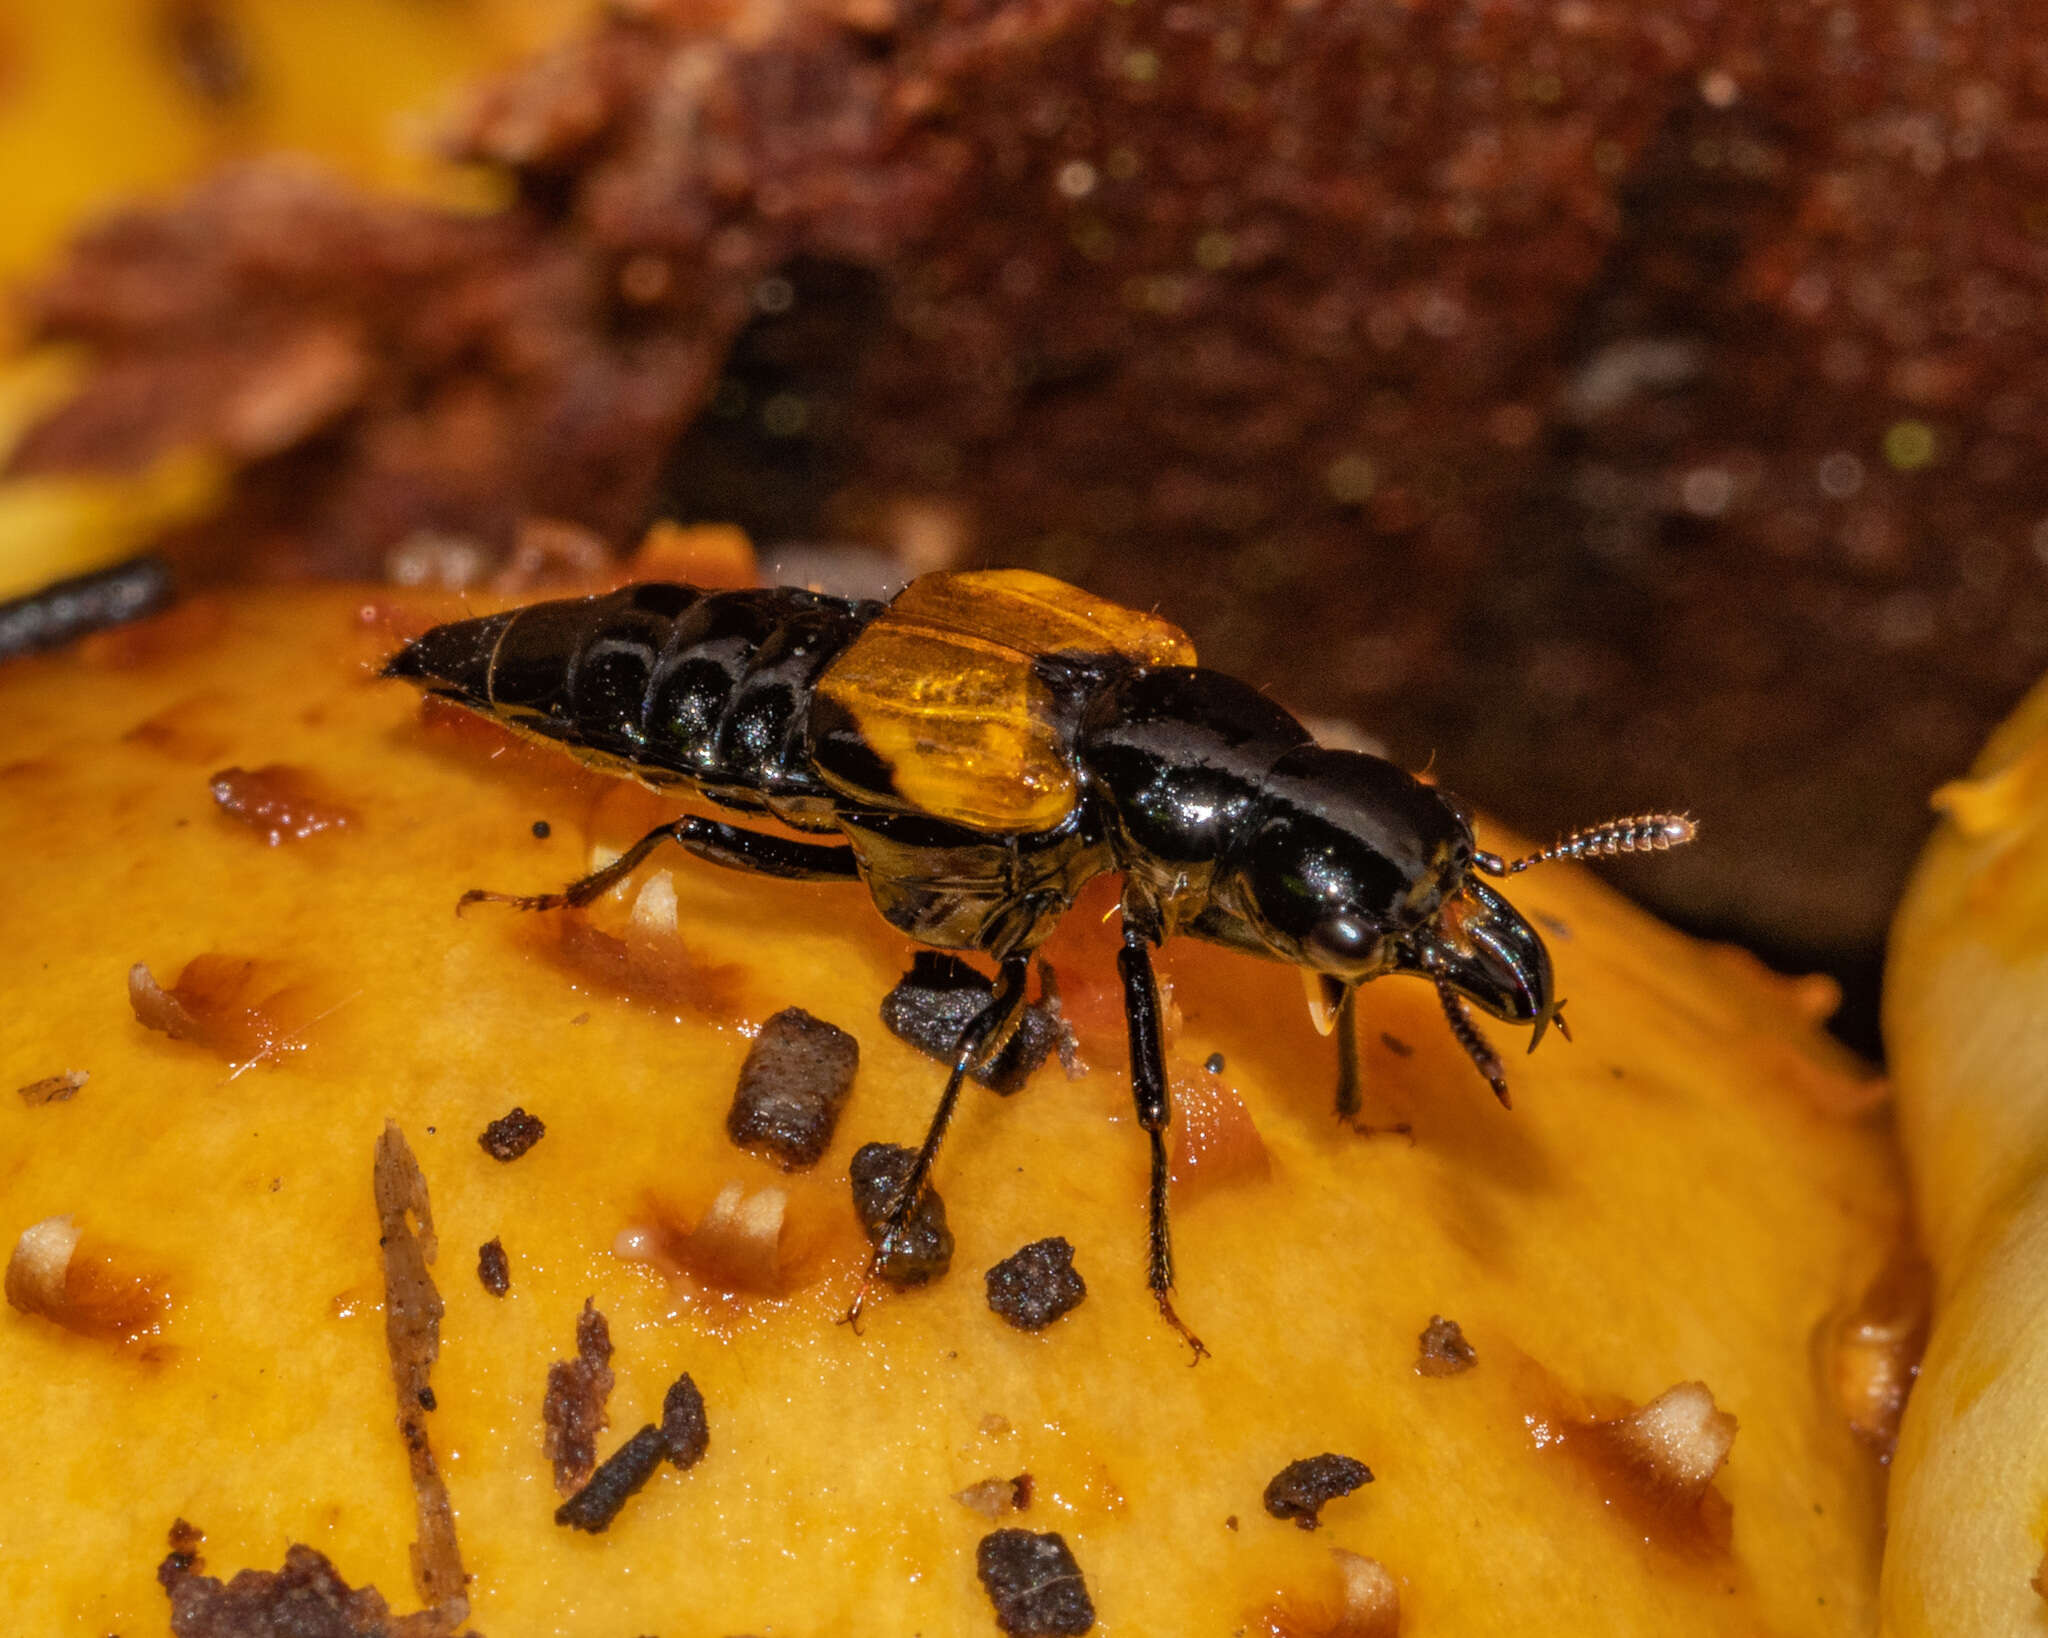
1231, 1522
580, 1018
493, 1267
1615, 1070
1394, 1044
430, 1131
276, 1183
180, 824
426, 1398
1554, 927
1213, 1063
542, 830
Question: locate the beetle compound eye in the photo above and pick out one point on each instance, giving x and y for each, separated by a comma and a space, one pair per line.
1346, 940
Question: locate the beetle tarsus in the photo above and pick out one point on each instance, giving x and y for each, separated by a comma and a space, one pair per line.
1200, 1348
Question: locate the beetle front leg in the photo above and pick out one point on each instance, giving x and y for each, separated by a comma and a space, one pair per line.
1149, 1093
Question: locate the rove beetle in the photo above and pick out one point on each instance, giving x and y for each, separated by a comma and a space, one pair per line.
982, 746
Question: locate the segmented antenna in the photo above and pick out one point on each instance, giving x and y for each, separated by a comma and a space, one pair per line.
1645, 833
1483, 1057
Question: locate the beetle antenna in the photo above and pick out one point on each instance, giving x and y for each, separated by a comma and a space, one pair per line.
1645, 833
1483, 1057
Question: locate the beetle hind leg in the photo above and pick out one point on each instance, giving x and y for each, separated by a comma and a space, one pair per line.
707, 839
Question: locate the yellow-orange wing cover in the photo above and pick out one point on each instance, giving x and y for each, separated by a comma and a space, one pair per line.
950, 718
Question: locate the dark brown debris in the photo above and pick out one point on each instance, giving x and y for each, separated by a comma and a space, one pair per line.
1299, 1490
493, 1267
685, 1434
1034, 1583
412, 1334
941, 995
924, 1249
279, 802
1444, 1350
183, 1558
795, 1081
1037, 1285
615, 1482
680, 1440
573, 1413
511, 1134
58, 1088
305, 1599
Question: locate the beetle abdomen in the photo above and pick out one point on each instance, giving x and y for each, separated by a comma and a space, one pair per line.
665, 682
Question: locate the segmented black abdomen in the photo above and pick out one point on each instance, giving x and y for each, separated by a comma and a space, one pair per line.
674, 684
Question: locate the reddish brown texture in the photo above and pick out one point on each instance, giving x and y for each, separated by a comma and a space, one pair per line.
1870, 1355
58, 1088
307, 1598
1215, 1139
93, 1291
651, 966
247, 1010
573, 1412
1628, 405
279, 802
1682, 1513
412, 1337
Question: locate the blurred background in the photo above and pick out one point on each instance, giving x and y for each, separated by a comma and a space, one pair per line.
1608, 407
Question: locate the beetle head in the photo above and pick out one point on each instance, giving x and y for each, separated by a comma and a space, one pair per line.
1350, 861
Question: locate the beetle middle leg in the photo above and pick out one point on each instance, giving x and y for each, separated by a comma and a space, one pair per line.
1349, 1080
1149, 1093
721, 844
987, 1032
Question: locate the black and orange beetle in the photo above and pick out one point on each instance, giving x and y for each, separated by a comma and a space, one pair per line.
986, 743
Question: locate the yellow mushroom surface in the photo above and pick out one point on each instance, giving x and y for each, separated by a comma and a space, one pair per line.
232, 958
1966, 1023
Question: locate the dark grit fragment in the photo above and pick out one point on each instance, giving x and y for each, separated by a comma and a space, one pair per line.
1034, 1583
924, 1248
681, 1440
1299, 1489
53, 1088
512, 1134
305, 1599
412, 1336
573, 1412
792, 1086
618, 1478
1035, 1286
685, 1433
1444, 1350
941, 995
493, 1267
